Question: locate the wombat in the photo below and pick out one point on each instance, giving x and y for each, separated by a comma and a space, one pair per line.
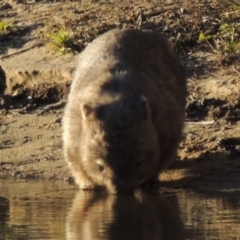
125, 111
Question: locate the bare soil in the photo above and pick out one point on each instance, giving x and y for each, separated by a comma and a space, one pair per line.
34, 83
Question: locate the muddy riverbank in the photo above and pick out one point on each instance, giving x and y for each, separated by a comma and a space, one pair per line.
35, 83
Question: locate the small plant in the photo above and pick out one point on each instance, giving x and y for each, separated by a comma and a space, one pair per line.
61, 40
6, 27
226, 38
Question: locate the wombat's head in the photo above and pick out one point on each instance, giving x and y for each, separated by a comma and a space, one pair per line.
119, 143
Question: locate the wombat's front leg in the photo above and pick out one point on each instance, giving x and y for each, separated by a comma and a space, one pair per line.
80, 177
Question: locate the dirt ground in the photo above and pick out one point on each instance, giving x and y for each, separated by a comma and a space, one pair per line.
34, 83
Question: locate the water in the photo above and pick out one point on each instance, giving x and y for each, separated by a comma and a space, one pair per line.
56, 210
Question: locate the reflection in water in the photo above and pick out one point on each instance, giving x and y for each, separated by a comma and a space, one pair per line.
33, 210
39, 209
211, 215
4, 210
107, 217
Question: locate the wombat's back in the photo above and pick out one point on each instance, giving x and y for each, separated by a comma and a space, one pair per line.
146, 56
119, 72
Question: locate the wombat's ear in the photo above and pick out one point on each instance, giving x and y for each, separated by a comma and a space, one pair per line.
86, 110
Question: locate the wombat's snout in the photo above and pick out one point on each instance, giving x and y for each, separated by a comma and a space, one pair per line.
117, 181
124, 186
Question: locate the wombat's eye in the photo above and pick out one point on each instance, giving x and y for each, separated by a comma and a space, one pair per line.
95, 134
100, 166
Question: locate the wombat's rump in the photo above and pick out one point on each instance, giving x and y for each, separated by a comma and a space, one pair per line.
125, 113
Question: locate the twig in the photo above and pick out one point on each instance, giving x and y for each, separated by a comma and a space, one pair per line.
159, 12
210, 45
228, 13
202, 123
23, 50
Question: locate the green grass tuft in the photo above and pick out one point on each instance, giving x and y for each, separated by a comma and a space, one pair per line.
6, 27
61, 40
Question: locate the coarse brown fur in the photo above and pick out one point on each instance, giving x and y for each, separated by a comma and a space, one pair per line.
125, 112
